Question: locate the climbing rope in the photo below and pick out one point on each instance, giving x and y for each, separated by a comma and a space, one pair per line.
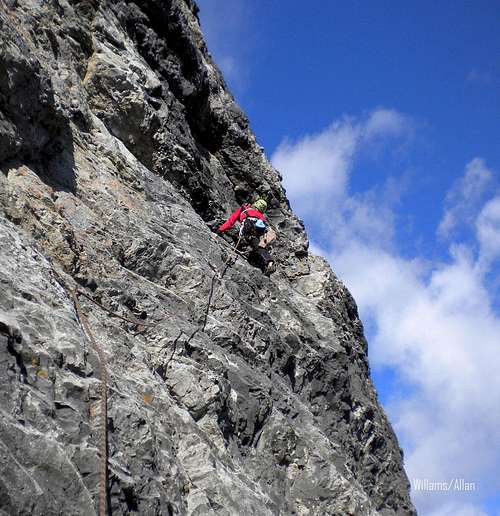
103, 448
114, 314
219, 275
103, 465
232, 255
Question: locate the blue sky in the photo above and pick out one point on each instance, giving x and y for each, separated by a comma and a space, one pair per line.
384, 119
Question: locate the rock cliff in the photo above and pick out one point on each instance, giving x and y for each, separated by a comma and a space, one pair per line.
120, 145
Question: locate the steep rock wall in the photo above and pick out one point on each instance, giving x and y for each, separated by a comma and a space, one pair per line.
120, 145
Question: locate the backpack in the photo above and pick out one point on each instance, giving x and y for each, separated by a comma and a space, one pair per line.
252, 226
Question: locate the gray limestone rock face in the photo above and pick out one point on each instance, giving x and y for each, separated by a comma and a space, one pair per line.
120, 149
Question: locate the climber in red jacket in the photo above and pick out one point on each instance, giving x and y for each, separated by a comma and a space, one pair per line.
254, 211
255, 230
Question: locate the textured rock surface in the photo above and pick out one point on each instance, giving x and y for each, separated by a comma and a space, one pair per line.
119, 145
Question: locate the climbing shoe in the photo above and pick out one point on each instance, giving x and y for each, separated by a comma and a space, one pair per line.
269, 268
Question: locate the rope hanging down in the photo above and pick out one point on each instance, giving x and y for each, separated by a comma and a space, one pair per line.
103, 465
103, 447
219, 275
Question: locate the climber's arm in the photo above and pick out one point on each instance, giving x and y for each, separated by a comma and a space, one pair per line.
230, 221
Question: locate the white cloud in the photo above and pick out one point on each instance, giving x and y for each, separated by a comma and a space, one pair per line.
464, 199
383, 122
317, 169
488, 231
440, 333
435, 323
318, 164
458, 509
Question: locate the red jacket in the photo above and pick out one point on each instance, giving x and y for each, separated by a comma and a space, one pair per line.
241, 214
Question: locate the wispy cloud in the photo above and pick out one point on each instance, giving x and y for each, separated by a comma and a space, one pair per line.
479, 77
434, 322
463, 201
458, 509
438, 329
488, 231
317, 171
